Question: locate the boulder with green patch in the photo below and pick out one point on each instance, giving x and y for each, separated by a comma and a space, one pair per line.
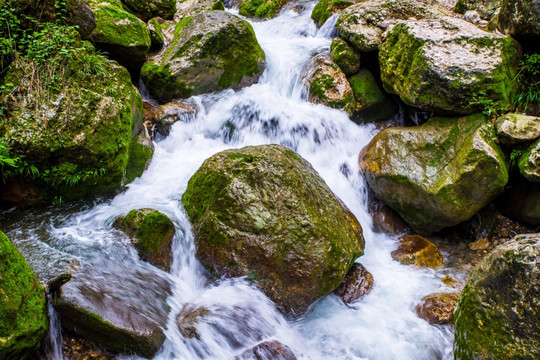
520, 18
497, 313
372, 104
77, 141
265, 213
529, 163
487, 9
449, 66
156, 33
211, 51
119, 33
141, 150
152, 233
438, 174
23, 310
514, 129
261, 8
364, 24
193, 7
147, 9
328, 85
345, 56
325, 8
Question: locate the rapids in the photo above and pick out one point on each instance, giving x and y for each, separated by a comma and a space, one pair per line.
380, 326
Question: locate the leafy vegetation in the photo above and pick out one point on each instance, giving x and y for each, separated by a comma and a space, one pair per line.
488, 107
529, 78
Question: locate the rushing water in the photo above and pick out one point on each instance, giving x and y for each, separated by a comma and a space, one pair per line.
381, 325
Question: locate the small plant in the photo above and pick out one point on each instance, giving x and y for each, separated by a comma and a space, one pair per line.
529, 78
488, 107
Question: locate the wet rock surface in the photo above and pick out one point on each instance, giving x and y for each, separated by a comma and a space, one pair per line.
356, 284
257, 211
437, 308
419, 251
268, 350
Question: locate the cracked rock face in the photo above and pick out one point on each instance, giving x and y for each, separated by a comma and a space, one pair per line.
438, 174
442, 65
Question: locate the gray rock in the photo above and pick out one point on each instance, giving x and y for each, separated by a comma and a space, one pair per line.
443, 65
497, 313
486, 9
515, 129
520, 18
147, 9
193, 7
529, 163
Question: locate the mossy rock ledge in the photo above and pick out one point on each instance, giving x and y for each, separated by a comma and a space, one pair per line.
443, 65
261, 8
497, 313
211, 51
264, 212
23, 310
438, 174
152, 233
328, 85
364, 24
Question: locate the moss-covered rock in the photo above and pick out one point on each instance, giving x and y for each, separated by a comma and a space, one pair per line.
364, 24
419, 251
120, 34
345, 56
147, 9
77, 141
152, 233
371, 103
211, 51
328, 85
437, 308
497, 313
444, 65
513, 129
261, 8
193, 7
519, 18
529, 163
23, 316
325, 8
156, 34
485, 8
264, 212
119, 307
438, 174
141, 150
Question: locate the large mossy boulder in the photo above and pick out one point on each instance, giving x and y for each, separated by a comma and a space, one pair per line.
265, 213
77, 135
152, 233
211, 51
328, 85
438, 174
372, 104
147, 9
364, 24
261, 8
485, 8
23, 310
529, 163
325, 8
520, 18
497, 313
120, 34
445, 65
119, 306
514, 129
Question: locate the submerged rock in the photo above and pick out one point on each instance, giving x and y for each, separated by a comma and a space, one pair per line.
437, 308
264, 212
325, 8
328, 85
120, 307
211, 51
261, 8
168, 114
147, 9
497, 313
419, 251
152, 233
23, 311
268, 350
520, 18
356, 284
345, 56
371, 103
120, 34
364, 24
438, 174
515, 129
444, 65
529, 163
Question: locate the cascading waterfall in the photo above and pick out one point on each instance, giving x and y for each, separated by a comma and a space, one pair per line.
381, 325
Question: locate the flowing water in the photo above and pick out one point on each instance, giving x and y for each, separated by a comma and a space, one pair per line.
382, 325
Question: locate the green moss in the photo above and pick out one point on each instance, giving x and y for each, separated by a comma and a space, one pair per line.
320, 85
162, 83
139, 156
218, 5
345, 56
460, 7
156, 33
325, 8
261, 8
23, 319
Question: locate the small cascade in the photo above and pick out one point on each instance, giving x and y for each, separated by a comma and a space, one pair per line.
53, 340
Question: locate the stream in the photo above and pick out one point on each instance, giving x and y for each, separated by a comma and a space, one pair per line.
381, 326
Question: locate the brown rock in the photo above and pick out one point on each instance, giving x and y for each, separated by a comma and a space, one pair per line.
438, 308
166, 115
356, 284
78, 348
450, 281
388, 221
479, 244
189, 318
268, 350
417, 250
